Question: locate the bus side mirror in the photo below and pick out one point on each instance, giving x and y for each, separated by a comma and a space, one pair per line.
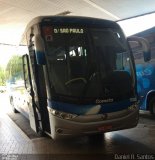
39, 50
144, 45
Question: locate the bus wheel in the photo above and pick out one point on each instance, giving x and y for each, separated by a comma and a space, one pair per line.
41, 133
12, 104
152, 106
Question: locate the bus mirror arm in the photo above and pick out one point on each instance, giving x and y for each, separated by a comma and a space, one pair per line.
144, 44
39, 50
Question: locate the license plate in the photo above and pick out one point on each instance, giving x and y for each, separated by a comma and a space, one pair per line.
105, 128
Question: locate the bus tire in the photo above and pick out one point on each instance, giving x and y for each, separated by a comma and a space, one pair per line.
152, 105
41, 133
15, 110
12, 104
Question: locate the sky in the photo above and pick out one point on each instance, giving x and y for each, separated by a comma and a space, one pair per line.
135, 25
130, 27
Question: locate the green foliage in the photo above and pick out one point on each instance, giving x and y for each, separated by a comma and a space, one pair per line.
13, 67
2, 76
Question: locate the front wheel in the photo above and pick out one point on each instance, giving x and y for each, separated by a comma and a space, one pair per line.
12, 104
152, 105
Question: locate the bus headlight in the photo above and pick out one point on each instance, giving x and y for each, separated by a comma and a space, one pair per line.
133, 107
62, 115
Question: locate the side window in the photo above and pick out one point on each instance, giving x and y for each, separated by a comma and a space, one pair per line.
26, 71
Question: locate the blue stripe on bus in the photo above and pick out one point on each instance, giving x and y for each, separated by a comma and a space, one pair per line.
84, 109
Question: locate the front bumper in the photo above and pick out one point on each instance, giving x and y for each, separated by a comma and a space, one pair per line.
92, 124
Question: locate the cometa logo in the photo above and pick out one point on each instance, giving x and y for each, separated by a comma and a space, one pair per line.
104, 100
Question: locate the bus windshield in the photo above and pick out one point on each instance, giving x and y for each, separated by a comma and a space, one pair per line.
85, 64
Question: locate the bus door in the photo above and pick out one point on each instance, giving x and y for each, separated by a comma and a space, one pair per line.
29, 95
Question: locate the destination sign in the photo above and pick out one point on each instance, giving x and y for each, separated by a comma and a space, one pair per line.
69, 30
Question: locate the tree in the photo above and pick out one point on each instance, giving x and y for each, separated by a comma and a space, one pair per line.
2, 76
14, 66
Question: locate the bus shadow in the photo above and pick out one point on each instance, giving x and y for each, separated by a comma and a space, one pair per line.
116, 144
122, 144
146, 118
